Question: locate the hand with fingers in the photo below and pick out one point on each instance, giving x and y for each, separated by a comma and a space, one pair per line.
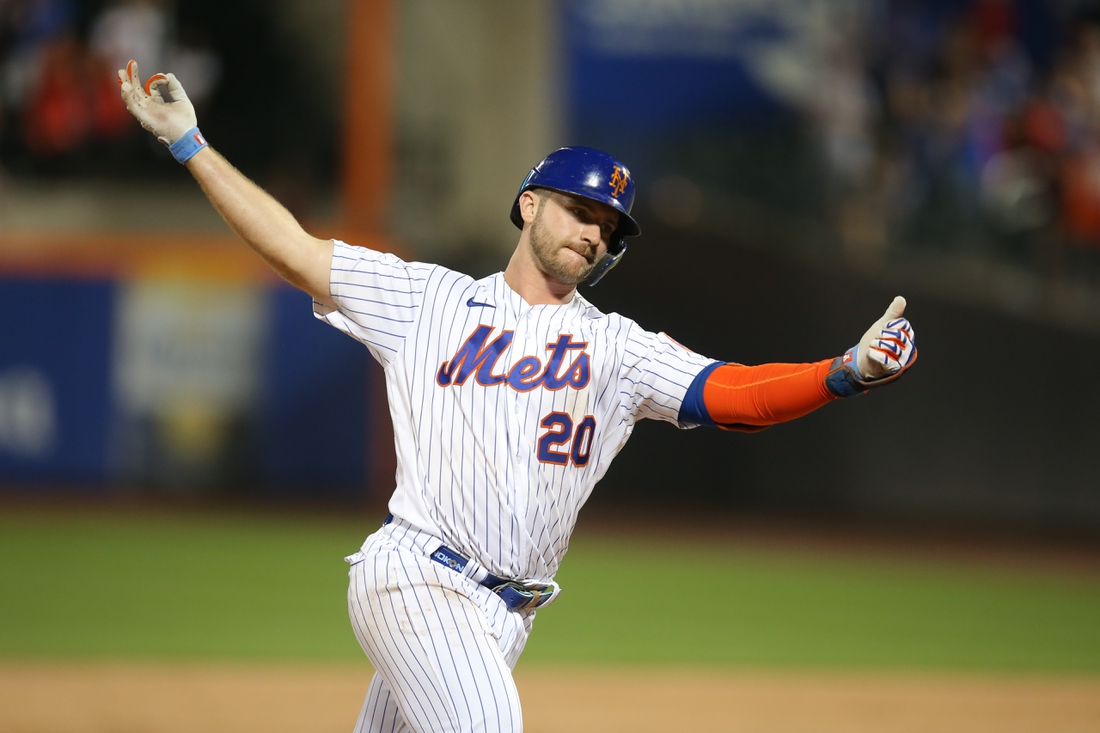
888, 346
173, 122
884, 353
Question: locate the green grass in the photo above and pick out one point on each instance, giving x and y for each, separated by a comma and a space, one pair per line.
230, 587
175, 587
720, 606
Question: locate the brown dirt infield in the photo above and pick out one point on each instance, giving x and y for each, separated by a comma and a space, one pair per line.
38, 697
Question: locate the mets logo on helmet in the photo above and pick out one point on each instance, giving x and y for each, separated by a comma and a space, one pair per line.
618, 181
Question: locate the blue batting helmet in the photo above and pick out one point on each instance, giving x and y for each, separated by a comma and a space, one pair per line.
591, 174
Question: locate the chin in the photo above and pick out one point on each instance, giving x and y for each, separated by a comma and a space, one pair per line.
571, 275
577, 272
562, 265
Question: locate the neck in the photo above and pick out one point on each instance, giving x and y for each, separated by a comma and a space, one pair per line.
533, 285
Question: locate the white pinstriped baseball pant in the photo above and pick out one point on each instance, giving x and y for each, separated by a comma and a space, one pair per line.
442, 646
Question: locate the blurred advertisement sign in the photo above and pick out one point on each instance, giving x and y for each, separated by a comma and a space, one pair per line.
666, 63
710, 101
317, 393
187, 377
180, 369
55, 342
28, 413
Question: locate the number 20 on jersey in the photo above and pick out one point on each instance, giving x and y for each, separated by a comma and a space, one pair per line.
563, 443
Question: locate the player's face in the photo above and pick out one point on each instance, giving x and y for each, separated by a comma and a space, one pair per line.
570, 234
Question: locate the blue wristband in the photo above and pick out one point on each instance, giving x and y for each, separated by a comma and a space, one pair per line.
186, 147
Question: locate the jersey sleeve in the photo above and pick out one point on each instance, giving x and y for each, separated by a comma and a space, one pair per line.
656, 374
377, 295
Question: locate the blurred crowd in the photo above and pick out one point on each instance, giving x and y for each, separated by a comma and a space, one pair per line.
969, 125
58, 92
965, 125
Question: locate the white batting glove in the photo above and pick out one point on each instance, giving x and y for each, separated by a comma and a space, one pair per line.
169, 121
884, 353
888, 346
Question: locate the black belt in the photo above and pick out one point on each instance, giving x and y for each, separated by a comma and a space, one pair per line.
518, 596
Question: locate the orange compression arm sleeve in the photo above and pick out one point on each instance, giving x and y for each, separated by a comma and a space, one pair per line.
753, 397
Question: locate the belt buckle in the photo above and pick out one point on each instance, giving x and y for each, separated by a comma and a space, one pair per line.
523, 596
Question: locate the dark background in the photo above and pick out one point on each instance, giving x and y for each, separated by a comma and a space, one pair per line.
994, 425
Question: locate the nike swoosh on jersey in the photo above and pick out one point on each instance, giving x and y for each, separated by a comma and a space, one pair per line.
474, 304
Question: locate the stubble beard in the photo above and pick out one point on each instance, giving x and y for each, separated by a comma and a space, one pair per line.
549, 257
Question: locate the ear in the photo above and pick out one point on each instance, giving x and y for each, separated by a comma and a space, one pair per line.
528, 206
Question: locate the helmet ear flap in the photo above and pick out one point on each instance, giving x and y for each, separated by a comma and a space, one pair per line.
606, 263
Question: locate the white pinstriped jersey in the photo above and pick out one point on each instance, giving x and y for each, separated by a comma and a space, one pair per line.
505, 414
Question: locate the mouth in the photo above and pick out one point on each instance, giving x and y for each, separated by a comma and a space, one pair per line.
585, 252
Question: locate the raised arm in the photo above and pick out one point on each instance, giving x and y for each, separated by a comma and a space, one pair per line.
261, 221
751, 398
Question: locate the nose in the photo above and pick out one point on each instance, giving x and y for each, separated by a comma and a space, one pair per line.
590, 234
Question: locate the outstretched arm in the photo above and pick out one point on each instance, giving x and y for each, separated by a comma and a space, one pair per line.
261, 221
751, 398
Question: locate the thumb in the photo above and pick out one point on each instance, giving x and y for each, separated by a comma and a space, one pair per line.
176, 89
896, 309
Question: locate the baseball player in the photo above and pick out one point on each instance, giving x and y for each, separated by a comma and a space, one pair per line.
510, 396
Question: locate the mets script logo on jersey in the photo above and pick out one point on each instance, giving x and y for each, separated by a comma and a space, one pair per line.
478, 356
619, 179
